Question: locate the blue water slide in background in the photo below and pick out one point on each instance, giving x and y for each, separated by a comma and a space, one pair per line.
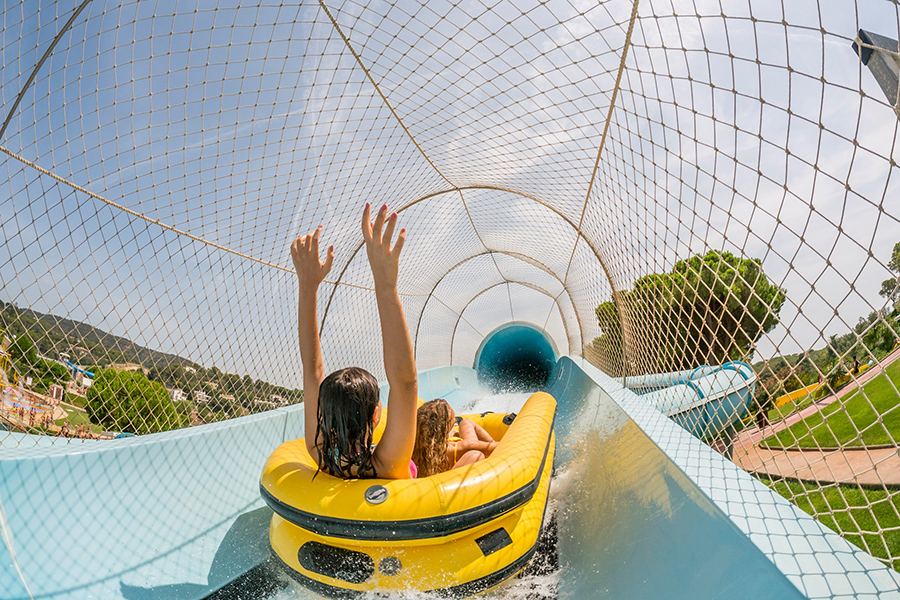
707, 401
645, 509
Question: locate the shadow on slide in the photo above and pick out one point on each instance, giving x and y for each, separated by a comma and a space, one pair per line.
247, 537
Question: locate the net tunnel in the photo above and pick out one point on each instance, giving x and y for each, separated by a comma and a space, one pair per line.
678, 218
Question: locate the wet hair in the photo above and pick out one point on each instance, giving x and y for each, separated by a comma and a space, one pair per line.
344, 423
433, 426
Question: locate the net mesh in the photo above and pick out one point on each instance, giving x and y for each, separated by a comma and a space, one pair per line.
659, 185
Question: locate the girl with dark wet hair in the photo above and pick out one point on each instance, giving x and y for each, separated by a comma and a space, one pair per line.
343, 409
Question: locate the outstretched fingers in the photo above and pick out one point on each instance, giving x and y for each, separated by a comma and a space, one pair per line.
389, 231
380, 233
329, 259
367, 223
314, 242
401, 239
379, 224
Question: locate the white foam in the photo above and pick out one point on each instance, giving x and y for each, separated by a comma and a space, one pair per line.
503, 402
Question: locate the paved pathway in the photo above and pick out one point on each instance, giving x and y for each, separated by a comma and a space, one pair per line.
850, 465
752, 436
867, 467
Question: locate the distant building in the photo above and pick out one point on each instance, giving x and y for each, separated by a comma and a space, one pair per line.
200, 397
177, 395
212, 384
195, 418
55, 391
274, 401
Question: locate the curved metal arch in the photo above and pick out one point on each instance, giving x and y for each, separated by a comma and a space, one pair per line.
462, 198
459, 189
532, 286
40, 63
557, 212
526, 259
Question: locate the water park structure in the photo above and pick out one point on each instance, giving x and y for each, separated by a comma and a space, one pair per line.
676, 220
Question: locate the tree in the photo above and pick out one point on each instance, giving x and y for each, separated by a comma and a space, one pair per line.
128, 401
224, 403
709, 309
22, 351
890, 288
44, 373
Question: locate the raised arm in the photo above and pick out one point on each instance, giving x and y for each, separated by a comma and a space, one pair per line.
393, 452
310, 273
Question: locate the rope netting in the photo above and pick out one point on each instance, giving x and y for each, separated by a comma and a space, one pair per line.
658, 185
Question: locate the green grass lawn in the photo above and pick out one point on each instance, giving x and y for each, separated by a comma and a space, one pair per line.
857, 514
76, 400
875, 414
778, 413
76, 418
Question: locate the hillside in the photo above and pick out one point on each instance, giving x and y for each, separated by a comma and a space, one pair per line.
95, 348
52, 334
873, 337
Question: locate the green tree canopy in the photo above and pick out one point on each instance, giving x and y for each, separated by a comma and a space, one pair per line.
128, 401
44, 373
889, 287
22, 350
709, 309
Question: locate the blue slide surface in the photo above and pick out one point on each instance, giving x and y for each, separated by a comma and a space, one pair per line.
640, 504
706, 401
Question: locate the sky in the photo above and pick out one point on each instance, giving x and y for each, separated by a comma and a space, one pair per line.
246, 125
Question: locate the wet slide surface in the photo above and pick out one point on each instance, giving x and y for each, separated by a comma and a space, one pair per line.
178, 514
629, 523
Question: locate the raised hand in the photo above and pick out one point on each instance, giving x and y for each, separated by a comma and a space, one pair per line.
383, 259
310, 273
391, 457
305, 254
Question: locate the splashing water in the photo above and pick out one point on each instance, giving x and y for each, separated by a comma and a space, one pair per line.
504, 402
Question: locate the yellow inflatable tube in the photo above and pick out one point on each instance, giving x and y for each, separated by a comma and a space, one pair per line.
462, 531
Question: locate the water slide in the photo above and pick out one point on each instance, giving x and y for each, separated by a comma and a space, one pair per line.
643, 508
707, 401
76, 368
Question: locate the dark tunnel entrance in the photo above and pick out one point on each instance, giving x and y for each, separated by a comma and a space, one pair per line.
516, 357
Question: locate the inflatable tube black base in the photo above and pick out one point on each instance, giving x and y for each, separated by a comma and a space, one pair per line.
469, 588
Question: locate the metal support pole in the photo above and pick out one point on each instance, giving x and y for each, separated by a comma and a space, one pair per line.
882, 55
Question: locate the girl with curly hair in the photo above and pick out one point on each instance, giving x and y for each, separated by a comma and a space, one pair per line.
440, 446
